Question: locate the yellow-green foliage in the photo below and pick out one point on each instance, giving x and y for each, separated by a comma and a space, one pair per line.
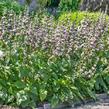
67, 17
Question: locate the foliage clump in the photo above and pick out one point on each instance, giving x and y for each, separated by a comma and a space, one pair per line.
6, 5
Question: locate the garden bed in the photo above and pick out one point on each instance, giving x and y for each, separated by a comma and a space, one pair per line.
43, 61
102, 102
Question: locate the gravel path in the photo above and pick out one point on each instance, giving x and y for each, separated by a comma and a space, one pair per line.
102, 103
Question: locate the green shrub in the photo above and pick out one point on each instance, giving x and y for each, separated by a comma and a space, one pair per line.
54, 3
63, 5
69, 5
77, 17
6, 5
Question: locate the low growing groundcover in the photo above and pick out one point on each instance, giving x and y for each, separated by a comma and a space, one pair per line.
43, 61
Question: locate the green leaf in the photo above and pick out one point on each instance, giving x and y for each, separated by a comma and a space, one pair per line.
20, 84
54, 100
91, 93
42, 94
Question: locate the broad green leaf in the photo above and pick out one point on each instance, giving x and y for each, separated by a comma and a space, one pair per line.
42, 94
20, 84
54, 100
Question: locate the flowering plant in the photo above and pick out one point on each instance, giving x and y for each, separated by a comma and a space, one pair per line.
46, 61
